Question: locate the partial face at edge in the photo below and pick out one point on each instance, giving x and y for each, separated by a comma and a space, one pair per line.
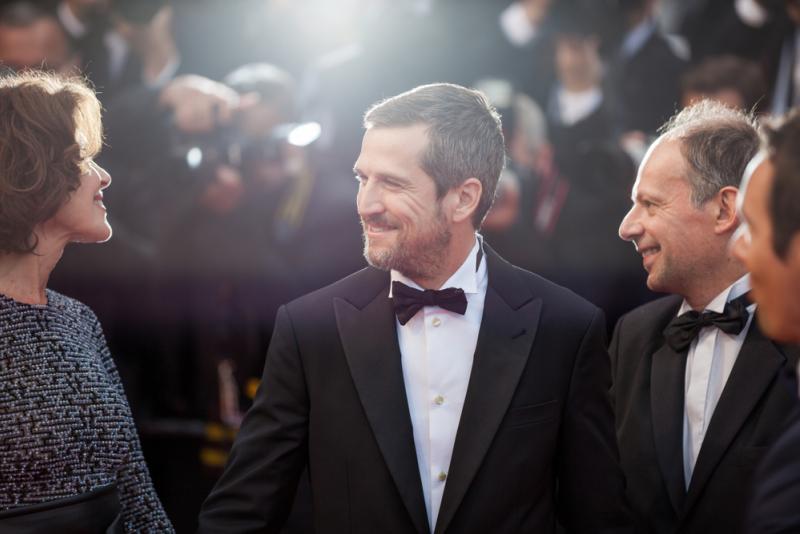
775, 281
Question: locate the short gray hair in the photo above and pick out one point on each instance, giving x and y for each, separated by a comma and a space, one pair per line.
717, 143
465, 137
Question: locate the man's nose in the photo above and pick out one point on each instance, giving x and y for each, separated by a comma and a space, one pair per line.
368, 200
630, 227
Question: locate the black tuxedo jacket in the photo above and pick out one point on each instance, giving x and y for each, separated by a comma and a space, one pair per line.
535, 441
648, 391
774, 508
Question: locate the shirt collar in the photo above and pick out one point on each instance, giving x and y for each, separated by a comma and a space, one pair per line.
74, 26
466, 277
637, 37
733, 291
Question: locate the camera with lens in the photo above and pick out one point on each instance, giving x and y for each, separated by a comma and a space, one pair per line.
229, 146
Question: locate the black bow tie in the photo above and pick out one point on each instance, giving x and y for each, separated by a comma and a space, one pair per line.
408, 301
683, 329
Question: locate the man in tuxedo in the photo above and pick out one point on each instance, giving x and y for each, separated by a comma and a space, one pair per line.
769, 245
479, 407
699, 391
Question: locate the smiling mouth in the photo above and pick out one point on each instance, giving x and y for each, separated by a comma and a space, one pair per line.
375, 227
649, 251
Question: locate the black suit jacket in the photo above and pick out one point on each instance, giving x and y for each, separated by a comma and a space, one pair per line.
535, 439
774, 508
648, 391
645, 87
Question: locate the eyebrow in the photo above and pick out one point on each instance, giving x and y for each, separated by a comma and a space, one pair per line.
642, 196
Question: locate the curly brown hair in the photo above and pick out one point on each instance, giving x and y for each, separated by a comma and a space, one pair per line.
50, 128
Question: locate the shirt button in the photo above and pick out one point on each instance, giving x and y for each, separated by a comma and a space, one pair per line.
442, 476
438, 400
436, 321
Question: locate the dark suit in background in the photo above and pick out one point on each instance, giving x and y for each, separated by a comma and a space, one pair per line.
534, 444
774, 506
648, 390
646, 84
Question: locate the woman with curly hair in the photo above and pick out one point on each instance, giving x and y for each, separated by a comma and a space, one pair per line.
70, 458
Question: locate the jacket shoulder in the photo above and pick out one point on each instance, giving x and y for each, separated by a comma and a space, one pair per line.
648, 321
655, 311
357, 288
560, 305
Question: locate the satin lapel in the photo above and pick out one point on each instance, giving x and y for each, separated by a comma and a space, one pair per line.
369, 338
510, 319
758, 363
667, 378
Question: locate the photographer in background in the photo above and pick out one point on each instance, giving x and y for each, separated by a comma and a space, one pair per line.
235, 221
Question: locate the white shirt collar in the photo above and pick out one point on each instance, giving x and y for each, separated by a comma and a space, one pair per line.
637, 37
733, 291
466, 276
574, 106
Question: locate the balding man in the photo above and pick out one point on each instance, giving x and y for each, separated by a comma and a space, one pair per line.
697, 387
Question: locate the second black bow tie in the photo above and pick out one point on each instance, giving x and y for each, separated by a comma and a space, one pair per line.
408, 301
683, 329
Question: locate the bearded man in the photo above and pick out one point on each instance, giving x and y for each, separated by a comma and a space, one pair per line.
441, 389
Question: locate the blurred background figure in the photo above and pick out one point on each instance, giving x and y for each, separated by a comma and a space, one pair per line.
232, 128
645, 68
31, 38
736, 82
121, 43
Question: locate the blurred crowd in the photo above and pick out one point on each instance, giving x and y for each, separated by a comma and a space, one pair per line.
232, 127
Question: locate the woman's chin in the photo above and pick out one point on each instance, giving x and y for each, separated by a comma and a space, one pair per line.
101, 236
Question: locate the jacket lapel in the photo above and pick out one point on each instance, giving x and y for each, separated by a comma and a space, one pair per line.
667, 377
757, 365
508, 327
368, 332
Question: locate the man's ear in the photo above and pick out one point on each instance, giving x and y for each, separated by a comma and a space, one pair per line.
726, 217
466, 198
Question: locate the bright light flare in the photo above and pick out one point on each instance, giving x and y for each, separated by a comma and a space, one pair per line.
304, 134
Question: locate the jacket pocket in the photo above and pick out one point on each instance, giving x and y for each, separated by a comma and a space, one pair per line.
531, 414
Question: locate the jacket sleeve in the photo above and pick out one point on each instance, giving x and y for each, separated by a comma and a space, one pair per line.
257, 487
591, 485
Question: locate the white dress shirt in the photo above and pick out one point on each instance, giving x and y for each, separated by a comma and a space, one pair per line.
574, 106
437, 347
708, 365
